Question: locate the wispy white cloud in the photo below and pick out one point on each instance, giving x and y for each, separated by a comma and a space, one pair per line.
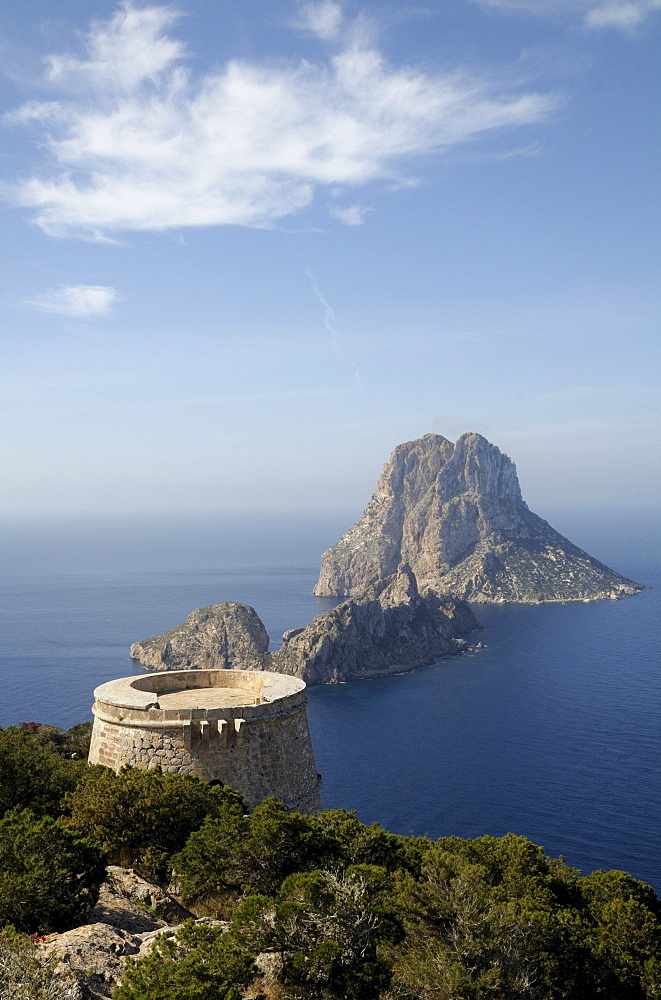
350, 215
623, 15
552, 9
122, 53
542, 7
76, 301
452, 426
323, 19
138, 142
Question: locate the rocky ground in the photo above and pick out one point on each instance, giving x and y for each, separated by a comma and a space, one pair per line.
128, 917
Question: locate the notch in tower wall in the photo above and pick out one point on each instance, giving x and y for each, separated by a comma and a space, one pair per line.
187, 735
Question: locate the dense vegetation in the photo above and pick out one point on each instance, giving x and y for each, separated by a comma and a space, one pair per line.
316, 907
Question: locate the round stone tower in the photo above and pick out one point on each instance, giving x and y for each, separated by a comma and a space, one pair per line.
246, 728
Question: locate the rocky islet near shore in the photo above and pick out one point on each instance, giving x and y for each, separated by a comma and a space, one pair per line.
220, 636
390, 629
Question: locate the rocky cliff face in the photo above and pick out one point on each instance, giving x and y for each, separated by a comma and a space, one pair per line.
455, 514
218, 636
389, 630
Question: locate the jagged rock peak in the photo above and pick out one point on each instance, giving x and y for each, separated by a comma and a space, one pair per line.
454, 513
472, 465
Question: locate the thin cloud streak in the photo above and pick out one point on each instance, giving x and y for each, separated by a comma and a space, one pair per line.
590, 393
329, 323
351, 215
575, 428
138, 142
622, 15
76, 301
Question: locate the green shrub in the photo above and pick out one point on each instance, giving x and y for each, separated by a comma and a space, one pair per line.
232, 852
139, 818
326, 926
200, 963
358, 844
496, 918
73, 743
49, 875
623, 931
210, 864
32, 775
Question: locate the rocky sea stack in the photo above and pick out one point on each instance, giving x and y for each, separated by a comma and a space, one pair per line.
216, 637
390, 629
454, 513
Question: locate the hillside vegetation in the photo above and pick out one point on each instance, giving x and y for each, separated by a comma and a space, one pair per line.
318, 907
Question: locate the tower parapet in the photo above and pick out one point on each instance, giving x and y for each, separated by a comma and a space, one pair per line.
245, 728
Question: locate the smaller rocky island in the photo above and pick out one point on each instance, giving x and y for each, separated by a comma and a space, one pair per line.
226, 636
390, 629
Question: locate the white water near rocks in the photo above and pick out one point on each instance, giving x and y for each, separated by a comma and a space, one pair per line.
551, 731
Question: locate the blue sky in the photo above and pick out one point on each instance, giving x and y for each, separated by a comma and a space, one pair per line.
249, 248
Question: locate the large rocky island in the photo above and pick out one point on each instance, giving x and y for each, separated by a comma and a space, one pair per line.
390, 629
454, 513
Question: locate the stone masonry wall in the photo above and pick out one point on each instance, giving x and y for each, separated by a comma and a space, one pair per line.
260, 750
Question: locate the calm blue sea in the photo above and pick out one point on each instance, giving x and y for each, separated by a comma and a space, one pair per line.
552, 731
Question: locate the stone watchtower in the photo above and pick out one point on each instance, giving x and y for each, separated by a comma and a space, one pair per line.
245, 728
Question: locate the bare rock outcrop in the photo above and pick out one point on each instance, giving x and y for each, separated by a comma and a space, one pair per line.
128, 917
94, 953
219, 636
454, 513
390, 630
122, 912
131, 903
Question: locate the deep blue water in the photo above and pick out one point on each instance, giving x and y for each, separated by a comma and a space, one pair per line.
552, 731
